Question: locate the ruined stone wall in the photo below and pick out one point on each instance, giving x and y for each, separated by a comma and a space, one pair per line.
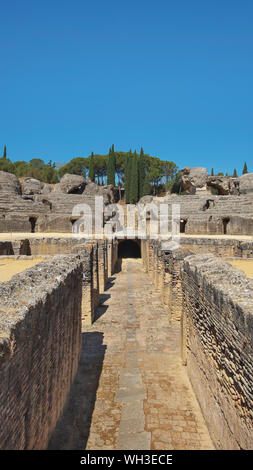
40, 341
218, 306
101, 257
112, 256
210, 214
32, 206
102, 265
53, 246
214, 303
39, 246
224, 247
163, 265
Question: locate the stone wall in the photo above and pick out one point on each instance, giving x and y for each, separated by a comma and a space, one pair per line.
99, 255
40, 341
43, 311
39, 246
31, 206
222, 247
218, 306
210, 214
214, 303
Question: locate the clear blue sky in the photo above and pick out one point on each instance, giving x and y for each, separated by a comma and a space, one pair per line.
173, 76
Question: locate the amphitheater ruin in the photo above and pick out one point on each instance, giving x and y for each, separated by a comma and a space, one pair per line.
126, 343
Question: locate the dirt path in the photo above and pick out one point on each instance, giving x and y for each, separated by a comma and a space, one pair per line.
131, 391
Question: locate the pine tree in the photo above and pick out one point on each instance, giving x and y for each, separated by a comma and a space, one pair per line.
134, 189
111, 167
141, 173
92, 168
245, 169
235, 174
212, 172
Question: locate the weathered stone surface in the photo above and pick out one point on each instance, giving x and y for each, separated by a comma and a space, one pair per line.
194, 179
46, 207
218, 300
9, 183
31, 186
40, 340
221, 183
93, 189
52, 210
146, 199
213, 302
197, 179
246, 183
71, 184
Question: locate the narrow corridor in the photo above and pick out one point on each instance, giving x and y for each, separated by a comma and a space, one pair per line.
131, 390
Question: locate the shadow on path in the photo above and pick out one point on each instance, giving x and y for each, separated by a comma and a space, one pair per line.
73, 428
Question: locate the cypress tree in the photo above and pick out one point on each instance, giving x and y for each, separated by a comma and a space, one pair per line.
134, 189
235, 174
92, 168
5, 153
245, 169
212, 172
141, 173
128, 176
111, 167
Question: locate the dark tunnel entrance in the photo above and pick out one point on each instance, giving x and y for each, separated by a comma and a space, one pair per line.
129, 249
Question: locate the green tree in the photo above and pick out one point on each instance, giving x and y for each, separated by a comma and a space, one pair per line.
49, 173
212, 172
142, 172
134, 186
120, 165
146, 186
245, 169
5, 153
100, 165
6, 165
128, 168
169, 170
111, 167
20, 168
92, 168
76, 166
235, 174
155, 172
37, 163
177, 186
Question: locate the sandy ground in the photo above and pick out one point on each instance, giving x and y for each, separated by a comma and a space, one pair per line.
22, 235
244, 265
9, 267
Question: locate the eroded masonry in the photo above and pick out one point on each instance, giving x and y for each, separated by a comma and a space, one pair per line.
125, 344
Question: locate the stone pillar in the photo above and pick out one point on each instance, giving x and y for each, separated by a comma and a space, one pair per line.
166, 290
115, 256
90, 290
172, 280
95, 278
110, 257
160, 272
102, 270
